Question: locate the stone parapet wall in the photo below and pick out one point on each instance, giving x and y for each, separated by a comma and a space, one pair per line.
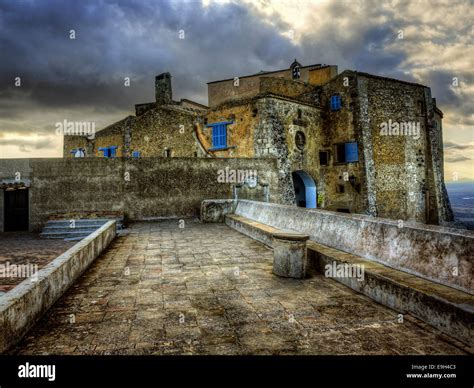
23, 306
141, 188
440, 254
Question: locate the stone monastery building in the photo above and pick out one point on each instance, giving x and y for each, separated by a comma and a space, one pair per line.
349, 142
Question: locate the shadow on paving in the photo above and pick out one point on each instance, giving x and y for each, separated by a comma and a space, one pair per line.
207, 289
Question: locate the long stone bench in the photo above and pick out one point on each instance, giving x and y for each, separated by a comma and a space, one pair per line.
447, 309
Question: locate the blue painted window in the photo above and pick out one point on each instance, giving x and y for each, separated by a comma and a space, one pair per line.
136, 154
351, 152
109, 152
219, 135
335, 102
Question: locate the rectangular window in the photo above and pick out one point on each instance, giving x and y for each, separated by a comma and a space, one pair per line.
323, 158
335, 102
136, 154
113, 151
347, 152
352, 154
109, 152
219, 135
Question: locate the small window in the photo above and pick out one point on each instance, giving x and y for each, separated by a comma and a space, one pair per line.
323, 158
340, 189
335, 102
300, 114
109, 152
347, 152
296, 72
167, 153
219, 135
78, 153
136, 154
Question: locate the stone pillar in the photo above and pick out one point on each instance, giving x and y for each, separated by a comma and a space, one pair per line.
289, 254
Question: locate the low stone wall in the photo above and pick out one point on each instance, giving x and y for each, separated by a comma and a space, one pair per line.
440, 254
215, 210
139, 188
21, 308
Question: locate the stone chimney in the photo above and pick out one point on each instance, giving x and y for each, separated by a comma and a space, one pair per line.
163, 92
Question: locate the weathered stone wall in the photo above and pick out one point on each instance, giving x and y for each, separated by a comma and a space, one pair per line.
249, 86
165, 128
404, 179
284, 87
279, 122
21, 308
322, 75
437, 253
140, 188
240, 134
117, 134
340, 127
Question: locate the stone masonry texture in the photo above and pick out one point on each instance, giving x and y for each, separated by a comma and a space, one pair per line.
206, 289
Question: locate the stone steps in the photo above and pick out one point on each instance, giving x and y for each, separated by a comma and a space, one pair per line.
61, 229
447, 309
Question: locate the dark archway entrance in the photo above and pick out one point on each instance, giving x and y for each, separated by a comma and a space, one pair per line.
16, 210
305, 189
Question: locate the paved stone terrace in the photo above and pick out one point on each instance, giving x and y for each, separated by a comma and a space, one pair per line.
27, 248
206, 289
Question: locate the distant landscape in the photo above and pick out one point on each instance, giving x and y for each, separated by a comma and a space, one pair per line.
461, 195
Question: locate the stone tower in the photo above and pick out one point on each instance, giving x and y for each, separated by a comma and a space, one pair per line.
163, 91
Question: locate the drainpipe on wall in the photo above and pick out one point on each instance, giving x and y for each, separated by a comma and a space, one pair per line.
266, 192
235, 191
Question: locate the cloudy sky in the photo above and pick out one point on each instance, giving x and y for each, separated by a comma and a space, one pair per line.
47, 77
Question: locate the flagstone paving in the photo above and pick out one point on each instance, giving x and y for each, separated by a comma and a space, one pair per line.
23, 248
207, 289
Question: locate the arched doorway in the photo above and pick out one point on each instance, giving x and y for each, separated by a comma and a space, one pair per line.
305, 189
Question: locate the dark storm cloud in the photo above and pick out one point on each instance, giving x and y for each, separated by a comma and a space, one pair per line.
83, 79
452, 97
456, 158
450, 145
122, 39
43, 143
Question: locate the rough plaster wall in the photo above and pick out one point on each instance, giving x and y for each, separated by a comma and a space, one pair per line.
239, 134
424, 250
445, 213
73, 142
340, 127
164, 128
140, 188
270, 140
220, 92
400, 161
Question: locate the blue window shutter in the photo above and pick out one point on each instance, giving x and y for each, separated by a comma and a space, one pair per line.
352, 154
214, 136
113, 151
105, 151
136, 154
219, 135
335, 102
224, 135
